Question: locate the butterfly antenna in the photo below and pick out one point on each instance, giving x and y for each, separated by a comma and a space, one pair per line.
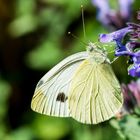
74, 36
83, 21
114, 60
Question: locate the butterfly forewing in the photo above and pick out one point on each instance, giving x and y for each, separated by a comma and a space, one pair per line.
95, 93
51, 94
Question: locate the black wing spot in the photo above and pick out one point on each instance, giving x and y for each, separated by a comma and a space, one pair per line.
40, 83
61, 97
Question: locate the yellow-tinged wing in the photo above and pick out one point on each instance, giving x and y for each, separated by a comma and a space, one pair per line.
51, 93
95, 94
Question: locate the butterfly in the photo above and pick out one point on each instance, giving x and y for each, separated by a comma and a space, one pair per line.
82, 86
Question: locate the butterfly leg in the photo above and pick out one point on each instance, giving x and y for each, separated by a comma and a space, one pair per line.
114, 60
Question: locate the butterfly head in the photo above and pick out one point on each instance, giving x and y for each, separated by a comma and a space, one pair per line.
96, 52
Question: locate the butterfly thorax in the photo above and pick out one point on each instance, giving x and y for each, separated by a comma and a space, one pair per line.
96, 53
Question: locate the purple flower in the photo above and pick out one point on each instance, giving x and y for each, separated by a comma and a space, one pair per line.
128, 48
117, 37
126, 45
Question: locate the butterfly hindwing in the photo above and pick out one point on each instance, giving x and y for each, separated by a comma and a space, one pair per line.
51, 94
95, 93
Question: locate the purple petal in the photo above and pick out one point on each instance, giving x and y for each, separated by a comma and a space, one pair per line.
134, 71
133, 45
136, 31
121, 49
136, 58
120, 53
117, 35
133, 25
105, 38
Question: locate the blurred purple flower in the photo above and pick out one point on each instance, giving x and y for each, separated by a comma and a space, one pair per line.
103, 10
108, 16
134, 88
125, 8
129, 100
131, 93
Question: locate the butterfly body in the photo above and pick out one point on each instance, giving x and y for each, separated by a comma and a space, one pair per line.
82, 86
96, 54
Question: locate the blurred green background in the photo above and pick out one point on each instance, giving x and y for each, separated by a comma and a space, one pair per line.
33, 38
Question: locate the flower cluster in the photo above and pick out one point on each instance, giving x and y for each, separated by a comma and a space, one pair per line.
110, 17
127, 43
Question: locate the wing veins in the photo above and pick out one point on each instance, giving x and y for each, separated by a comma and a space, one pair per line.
82, 90
119, 101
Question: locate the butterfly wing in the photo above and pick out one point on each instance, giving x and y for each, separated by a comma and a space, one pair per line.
95, 93
51, 92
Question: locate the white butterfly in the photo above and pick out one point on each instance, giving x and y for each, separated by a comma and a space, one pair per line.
82, 86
